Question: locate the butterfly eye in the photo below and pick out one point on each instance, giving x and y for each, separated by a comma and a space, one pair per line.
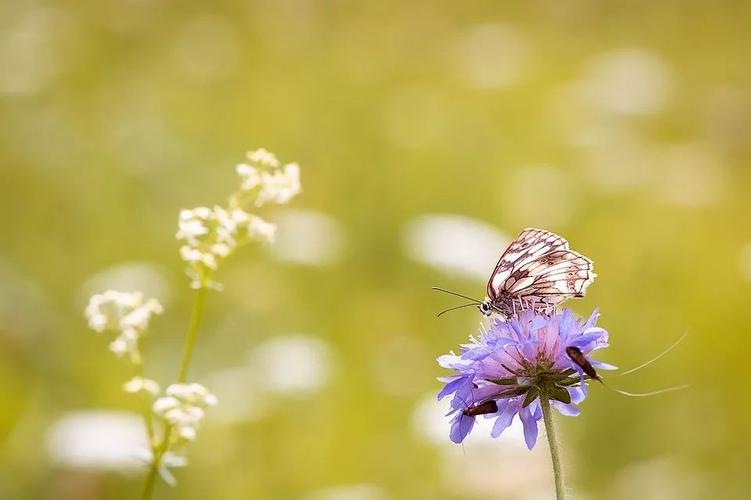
484, 308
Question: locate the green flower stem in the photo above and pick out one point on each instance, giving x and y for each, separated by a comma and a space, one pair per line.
555, 456
157, 453
190, 340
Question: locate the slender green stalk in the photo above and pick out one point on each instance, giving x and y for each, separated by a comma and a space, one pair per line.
555, 456
190, 340
157, 453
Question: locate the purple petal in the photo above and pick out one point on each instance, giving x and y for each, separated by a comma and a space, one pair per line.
538, 322
486, 391
529, 349
446, 360
535, 409
569, 410
577, 395
461, 427
568, 325
530, 427
452, 386
505, 417
602, 340
501, 342
592, 319
602, 365
476, 354
585, 341
453, 362
583, 386
517, 329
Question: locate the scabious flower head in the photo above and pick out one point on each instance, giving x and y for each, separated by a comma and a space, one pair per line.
209, 235
124, 312
183, 407
504, 371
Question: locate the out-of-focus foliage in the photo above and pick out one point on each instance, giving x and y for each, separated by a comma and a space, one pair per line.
428, 133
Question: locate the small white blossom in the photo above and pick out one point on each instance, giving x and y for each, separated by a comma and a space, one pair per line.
190, 254
221, 249
263, 157
193, 393
249, 175
138, 318
187, 432
124, 312
191, 229
279, 185
210, 235
165, 404
183, 407
140, 384
259, 228
119, 346
208, 259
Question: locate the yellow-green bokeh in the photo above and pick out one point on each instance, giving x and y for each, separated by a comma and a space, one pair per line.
625, 126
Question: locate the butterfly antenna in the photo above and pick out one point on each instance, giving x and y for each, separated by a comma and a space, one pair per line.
647, 363
455, 307
457, 294
646, 394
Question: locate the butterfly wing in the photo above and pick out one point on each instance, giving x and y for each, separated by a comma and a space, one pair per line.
551, 278
530, 245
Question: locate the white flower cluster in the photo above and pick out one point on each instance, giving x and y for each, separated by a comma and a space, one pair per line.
124, 312
183, 407
265, 179
139, 384
209, 235
212, 234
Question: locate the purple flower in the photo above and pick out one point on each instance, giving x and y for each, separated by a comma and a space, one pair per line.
504, 371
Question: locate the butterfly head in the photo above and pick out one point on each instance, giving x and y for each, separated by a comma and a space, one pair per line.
485, 307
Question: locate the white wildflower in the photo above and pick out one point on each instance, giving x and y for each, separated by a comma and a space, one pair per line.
164, 404
124, 312
249, 175
190, 254
127, 342
193, 223
105, 309
119, 346
140, 384
221, 249
190, 229
279, 185
210, 235
260, 229
138, 318
192, 393
263, 157
183, 407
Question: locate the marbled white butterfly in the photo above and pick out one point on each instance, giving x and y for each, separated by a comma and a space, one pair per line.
537, 270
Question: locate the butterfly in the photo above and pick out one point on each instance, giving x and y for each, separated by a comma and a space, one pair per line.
537, 270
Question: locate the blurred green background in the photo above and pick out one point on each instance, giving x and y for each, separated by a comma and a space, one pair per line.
429, 134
